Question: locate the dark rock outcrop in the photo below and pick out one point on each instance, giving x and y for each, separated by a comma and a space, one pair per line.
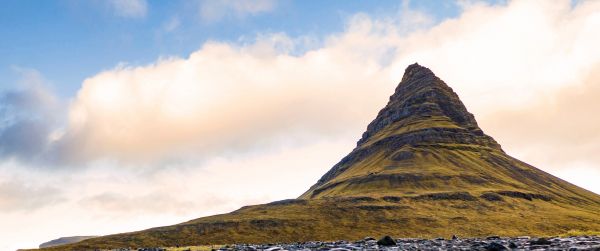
465, 196
494, 246
386, 241
421, 94
491, 197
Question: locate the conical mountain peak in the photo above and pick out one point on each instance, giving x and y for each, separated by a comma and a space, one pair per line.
423, 118
416, 70
422, 96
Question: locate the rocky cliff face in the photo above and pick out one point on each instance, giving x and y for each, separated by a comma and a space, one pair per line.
420, 96
424, 135
423, 168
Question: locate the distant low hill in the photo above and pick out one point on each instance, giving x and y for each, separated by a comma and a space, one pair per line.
65, 240
423, 168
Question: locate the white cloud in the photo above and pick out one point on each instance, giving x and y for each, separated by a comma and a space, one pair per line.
129, 8
222, 97
212, 10
171, 25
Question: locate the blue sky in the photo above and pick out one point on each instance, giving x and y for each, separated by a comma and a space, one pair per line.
67, 41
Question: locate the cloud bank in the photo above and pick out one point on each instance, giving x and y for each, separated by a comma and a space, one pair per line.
558, 131
221, 97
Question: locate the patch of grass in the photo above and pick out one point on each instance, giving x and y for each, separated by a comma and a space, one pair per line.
580, 233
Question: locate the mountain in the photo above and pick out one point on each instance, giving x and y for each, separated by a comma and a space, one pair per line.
423, 168
64, 240
425, 141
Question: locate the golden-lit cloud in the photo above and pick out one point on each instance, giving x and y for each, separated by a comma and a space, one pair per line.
556, 131
222, 97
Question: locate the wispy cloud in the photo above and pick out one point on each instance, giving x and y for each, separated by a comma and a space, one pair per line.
212, 10
21, 196
129, 8
171, 25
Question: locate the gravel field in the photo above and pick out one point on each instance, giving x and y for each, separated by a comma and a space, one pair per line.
454, 243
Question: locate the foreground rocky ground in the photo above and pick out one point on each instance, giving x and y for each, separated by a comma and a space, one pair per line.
387, 243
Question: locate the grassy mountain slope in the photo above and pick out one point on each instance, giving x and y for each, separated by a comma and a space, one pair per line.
423, 168
354, 218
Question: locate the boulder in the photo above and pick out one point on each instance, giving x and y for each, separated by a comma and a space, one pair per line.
386, 241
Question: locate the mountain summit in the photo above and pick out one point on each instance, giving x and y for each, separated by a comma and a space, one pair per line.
423, 168
416, 138
419, 97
